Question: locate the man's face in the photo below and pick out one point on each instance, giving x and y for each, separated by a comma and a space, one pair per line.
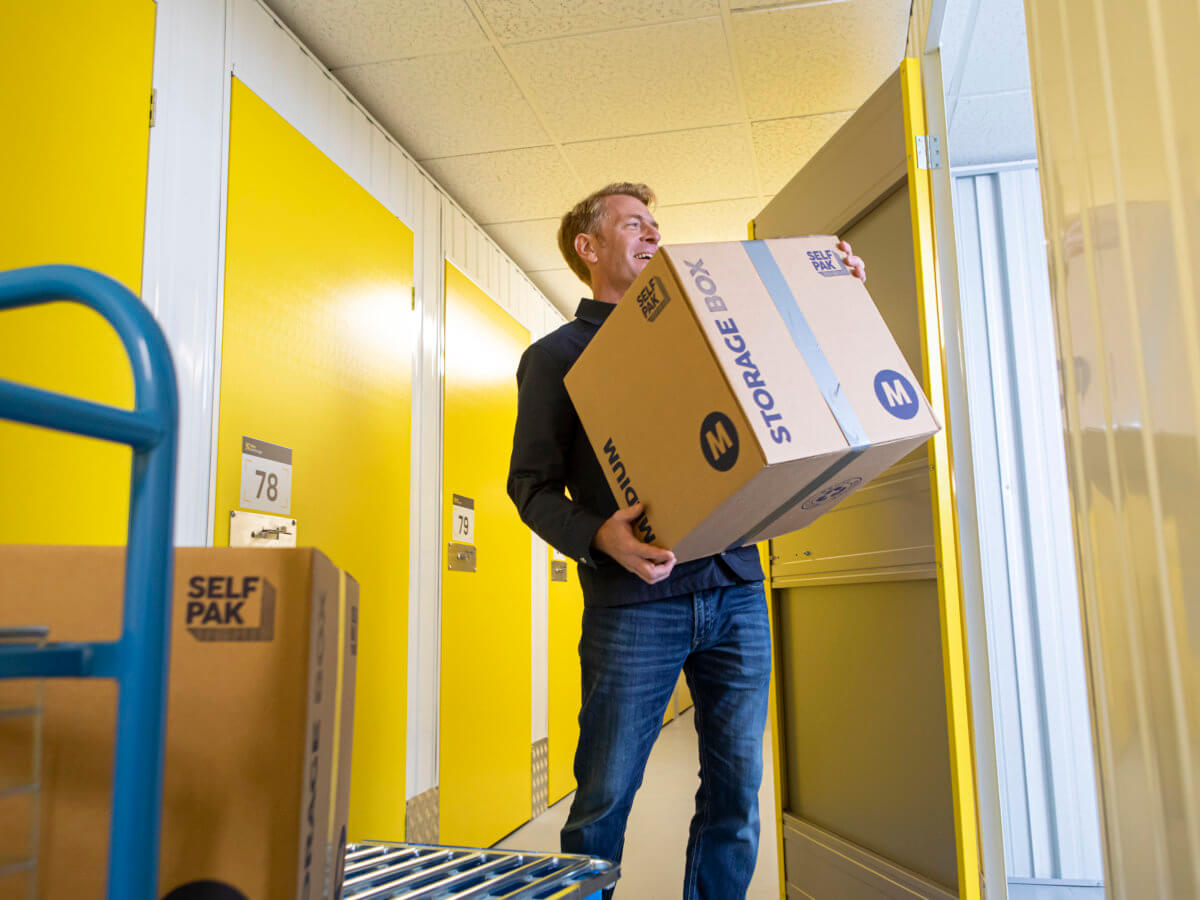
624, 243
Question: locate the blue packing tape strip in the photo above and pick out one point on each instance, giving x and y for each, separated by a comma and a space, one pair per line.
822, 372
806, 341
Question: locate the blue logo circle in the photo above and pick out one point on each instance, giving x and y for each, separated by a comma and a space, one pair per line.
896, 394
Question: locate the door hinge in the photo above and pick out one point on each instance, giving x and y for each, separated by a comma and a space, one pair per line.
153, 105
929, 151
414, 298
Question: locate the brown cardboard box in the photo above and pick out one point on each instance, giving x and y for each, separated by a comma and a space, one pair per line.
347, 671
252, 722
742, 389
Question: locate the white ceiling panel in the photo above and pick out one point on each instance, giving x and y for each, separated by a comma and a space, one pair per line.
562, 287
447, 105
817, 59
783, 146
738, 5
642, 81
350, 32
992, 128
525, 20
998, 56
726, 220
514, 185
681, 166
520, 107
532, 244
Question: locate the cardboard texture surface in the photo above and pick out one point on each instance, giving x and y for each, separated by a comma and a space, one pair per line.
742, 389
251, 796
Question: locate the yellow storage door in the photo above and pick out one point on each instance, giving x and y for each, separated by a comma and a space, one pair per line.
317, 357
565, 693
873, 735
76, 106
485, 762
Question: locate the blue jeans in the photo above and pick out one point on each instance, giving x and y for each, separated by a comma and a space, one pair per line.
631, 657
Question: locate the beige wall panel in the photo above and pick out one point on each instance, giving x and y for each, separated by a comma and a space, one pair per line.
864, 735
822, 866
884, 240
883, 531
847, 176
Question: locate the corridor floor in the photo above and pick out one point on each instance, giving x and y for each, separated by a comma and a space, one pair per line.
658, 826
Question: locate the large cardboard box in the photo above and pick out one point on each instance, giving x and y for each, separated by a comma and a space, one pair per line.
259, 722
742, 389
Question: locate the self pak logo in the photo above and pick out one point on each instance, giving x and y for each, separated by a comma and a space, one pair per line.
652, 298
831, 493
221, 608
828, 263
719, 441
896, 394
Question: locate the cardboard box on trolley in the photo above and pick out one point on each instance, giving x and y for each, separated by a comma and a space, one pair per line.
259, 721
742, 389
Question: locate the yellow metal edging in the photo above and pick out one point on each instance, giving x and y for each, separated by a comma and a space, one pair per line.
764, 553
954, 654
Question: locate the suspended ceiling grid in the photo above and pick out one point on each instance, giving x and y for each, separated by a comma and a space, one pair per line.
521, 107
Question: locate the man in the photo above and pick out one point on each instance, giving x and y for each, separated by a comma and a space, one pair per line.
645, 618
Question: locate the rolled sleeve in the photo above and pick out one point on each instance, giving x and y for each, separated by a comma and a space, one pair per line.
540, 458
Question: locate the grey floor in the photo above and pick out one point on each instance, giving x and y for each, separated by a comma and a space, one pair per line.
658, 826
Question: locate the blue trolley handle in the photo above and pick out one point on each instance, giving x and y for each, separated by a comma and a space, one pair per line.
138, 661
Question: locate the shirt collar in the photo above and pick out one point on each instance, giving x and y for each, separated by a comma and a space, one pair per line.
594, 311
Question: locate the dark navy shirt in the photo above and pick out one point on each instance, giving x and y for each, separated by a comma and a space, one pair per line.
552, 458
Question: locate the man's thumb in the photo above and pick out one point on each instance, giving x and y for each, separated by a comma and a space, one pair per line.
630, 513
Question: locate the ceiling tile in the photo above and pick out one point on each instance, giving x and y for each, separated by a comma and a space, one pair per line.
513, 185
664, 78
998, 56
447, 105
532, 244
816, 59
991, 129
351, 32
524, 20
725, 220
735, 5
783, 146
562, 288
681, 166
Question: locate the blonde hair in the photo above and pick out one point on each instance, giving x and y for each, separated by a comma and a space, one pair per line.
586, 216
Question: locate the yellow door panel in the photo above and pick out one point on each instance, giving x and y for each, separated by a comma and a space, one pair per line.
847, 616
566, 615
317, 356
73, 162
485, 779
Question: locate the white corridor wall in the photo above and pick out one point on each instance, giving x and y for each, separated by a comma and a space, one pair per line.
199, 45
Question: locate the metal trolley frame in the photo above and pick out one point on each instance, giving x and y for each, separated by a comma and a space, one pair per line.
138, 660
385, 871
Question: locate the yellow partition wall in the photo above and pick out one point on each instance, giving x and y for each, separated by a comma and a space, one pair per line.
485, 776
1114, 90
76, 106
566, 616
317, 356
